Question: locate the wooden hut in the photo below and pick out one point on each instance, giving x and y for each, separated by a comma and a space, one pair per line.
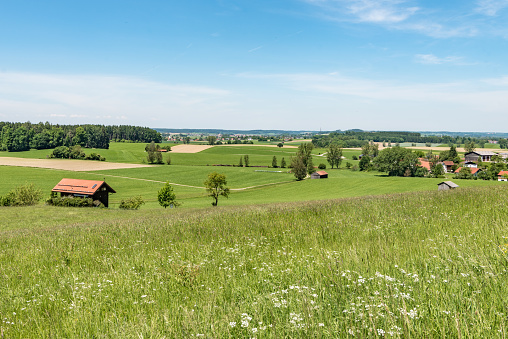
319, 175
446, 185
94, 189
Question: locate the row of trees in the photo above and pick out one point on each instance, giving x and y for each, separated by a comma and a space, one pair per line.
16, 137
353, 138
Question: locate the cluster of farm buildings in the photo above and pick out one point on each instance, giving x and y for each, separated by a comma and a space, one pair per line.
471, 160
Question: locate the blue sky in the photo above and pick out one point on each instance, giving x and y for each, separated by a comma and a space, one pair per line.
288, 64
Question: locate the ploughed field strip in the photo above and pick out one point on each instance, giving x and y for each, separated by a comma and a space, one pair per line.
189, 148
66, 164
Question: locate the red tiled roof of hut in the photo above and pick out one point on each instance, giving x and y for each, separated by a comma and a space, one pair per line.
86, 187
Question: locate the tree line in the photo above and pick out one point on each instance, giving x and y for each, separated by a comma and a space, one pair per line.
349, 139
17, 136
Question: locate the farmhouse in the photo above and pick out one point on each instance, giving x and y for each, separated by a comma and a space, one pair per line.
447, 166
502, 176
425, 164
474, 170
446, 185
319, 175
94, 189
479, 155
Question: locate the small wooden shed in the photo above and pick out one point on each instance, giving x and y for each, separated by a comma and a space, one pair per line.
446, 185
319, 175
94, 189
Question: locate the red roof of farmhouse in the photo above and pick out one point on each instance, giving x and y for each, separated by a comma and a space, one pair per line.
473, 170
448, 163
425, 164
503, 173
87, 187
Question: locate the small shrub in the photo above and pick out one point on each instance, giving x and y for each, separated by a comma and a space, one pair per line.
24, 195
354, 157
132, 203
70, 201
322, 166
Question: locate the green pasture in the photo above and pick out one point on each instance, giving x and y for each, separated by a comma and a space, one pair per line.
248, 186
220, 154
412, 265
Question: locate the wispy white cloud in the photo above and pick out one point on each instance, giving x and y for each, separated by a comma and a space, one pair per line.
431, 59
376, 11
491, 7
475, 97
402, 15
384, 11
255, 49
85, 97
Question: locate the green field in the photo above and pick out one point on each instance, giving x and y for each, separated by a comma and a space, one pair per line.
415, 265
249, 185
359, 254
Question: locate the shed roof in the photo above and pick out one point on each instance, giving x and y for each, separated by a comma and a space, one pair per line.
449, 184
503, 173
321, 173
448, 163
86, 187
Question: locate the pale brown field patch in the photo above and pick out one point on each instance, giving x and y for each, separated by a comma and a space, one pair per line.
66, 164
189, 148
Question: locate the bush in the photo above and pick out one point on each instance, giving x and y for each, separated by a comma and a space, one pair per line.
95, 156
73, 152
132, 203
421, 172
322, 166
354, 157
24, 195
70, 201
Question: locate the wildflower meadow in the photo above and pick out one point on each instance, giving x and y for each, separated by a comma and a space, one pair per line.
430, 264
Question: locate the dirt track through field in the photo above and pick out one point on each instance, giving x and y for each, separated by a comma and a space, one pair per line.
66, 164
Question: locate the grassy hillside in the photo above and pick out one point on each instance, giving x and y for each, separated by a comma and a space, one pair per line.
428, 264
248, 186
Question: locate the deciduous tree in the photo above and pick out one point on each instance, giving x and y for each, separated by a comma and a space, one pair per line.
334, 155
216, 186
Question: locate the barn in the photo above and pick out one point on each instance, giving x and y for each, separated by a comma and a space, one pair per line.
446, 185
94, 189
485, 156
319, 175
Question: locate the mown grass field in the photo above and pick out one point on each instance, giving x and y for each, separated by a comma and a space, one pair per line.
227, 155
419, 265
247, 186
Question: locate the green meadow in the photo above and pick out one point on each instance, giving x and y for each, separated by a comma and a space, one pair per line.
359, 254
422, 264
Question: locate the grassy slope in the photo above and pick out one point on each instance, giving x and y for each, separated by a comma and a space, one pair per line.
341, 183
411, 265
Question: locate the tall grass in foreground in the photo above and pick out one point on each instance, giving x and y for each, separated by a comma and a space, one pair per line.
411, 265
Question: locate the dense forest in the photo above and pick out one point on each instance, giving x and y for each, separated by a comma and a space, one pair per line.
17, 136
358, 138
